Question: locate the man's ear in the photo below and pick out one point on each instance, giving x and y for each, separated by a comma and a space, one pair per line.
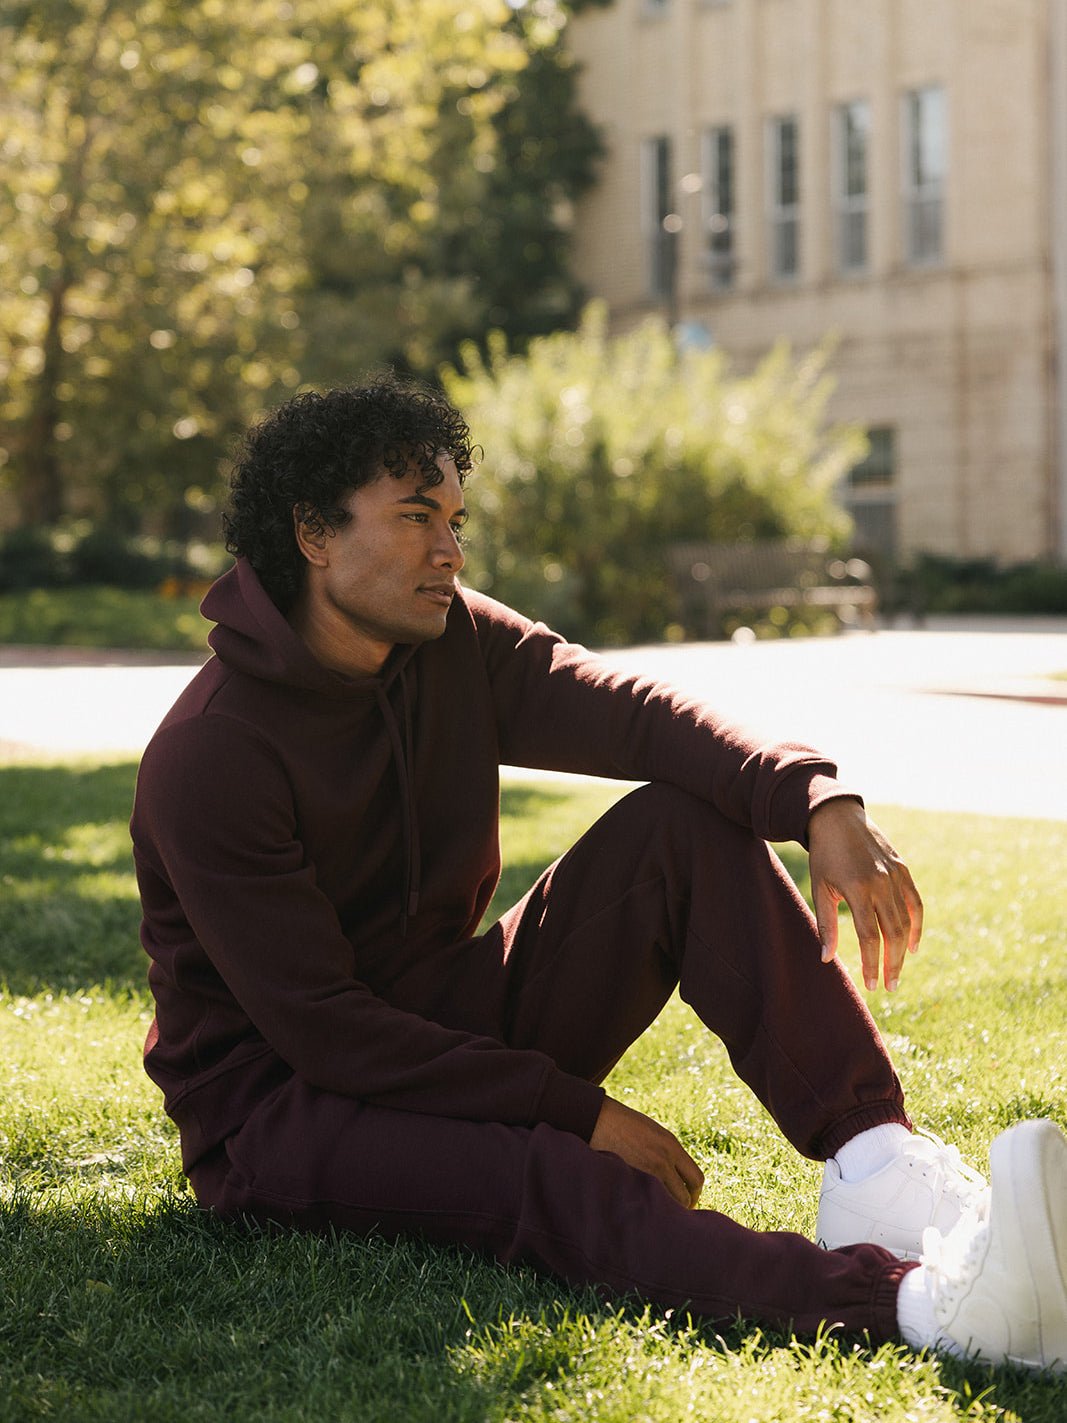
311, 534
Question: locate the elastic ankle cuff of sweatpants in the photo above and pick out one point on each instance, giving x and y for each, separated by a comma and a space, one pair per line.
886, 1324
871, 1114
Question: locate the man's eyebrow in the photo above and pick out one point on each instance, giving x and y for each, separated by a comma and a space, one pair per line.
428, 503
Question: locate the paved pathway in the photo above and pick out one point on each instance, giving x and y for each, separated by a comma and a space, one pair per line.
946, 719
965, 715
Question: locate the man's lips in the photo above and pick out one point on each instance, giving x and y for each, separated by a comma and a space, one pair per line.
442, 593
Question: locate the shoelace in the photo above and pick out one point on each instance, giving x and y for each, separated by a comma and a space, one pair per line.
953, 1171
949, 1261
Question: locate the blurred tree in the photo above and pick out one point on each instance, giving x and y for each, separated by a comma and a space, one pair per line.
134, 232
466, 150
203, 207
601, 451
515, 237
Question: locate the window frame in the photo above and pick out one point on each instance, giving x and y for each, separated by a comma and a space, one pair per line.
657, 173
923, 197
851, 209
869, 491
719, 221
783, 215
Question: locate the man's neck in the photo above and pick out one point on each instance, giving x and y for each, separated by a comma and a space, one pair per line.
332, 641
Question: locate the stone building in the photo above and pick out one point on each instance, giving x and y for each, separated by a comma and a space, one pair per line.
893, 172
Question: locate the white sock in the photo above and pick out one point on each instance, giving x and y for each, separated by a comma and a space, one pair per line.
870, 1150
916, 1319
915, 1311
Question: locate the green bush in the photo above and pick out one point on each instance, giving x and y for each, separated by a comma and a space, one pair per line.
936, 583
98, 556
106, 558
30, 558
601, 451
81, 616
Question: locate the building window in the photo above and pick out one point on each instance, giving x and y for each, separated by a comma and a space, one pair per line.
783, 152
869, 493
852, 129
660, 222
925, 166
719, 207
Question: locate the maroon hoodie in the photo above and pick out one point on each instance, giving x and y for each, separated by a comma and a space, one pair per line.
304, 840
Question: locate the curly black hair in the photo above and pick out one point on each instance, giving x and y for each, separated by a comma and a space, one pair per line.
316, 448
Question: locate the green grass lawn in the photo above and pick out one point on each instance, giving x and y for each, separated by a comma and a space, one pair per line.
121, 1302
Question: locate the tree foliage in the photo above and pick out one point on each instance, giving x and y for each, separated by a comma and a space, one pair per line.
600, 451
205, 206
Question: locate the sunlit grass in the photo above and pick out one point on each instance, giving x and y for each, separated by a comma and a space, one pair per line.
120, 1301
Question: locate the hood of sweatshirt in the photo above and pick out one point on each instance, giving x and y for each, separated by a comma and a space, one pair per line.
253, 637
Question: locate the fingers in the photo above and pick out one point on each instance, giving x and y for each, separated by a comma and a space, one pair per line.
900, 917
874, 922
826, 902
685, 1183
915, 912
672, 1164
869, 933
692, 1179
643, 1143
852, 860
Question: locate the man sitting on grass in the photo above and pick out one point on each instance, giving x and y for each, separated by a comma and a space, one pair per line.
316, 839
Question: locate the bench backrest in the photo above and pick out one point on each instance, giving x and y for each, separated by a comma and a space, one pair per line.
768, 563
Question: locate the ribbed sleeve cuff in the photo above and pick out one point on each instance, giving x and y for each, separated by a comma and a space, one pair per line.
798, 796
569, 1103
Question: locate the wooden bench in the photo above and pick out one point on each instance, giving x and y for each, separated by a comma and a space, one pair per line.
714, 580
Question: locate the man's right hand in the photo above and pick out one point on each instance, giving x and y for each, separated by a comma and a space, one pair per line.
643, 1143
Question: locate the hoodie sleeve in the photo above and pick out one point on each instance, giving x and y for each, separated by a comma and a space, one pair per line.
561, 707
223, 876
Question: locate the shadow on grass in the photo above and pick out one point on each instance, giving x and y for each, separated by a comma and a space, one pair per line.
46, 801
274, 1324
69, 913
257, 1324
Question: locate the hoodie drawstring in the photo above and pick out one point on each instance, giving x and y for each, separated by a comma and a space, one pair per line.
403, 756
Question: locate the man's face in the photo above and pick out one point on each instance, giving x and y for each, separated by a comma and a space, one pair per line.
388, 575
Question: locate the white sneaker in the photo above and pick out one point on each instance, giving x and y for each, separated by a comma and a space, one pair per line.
927, 1184
998, 1281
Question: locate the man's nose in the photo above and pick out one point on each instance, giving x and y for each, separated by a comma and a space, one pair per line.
448, 553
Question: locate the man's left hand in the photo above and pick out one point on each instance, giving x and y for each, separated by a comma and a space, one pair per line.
851, 860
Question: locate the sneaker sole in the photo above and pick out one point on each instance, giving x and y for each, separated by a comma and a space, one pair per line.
1028, 1164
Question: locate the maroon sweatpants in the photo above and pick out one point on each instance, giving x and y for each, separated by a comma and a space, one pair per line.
662, 890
